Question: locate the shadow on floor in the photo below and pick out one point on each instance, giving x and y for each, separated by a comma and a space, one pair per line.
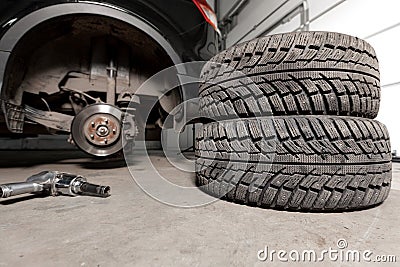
18, 199
12, 159
21, 158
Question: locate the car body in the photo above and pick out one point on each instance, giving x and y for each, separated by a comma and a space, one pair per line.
58, 56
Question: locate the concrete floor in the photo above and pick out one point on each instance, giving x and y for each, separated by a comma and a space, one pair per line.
132, 229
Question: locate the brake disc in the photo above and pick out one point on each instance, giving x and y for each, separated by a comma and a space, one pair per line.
97, 130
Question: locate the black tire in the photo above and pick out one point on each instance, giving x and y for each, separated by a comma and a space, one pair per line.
313, 163
317, 73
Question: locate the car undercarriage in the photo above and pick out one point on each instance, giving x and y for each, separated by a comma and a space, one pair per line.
91, 66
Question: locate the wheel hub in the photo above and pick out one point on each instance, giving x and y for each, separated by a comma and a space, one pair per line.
97, 130
102, 129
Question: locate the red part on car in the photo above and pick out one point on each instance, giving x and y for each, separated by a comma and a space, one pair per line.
208, 13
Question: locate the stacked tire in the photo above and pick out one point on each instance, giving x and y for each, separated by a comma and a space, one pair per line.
290, 124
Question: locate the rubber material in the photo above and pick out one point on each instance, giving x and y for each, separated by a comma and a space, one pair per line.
304, 162
300, 187
318, 73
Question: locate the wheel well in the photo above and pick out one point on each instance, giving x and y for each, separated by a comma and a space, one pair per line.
47, 53
43, 56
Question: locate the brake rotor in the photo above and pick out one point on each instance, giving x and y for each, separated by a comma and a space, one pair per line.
97, 130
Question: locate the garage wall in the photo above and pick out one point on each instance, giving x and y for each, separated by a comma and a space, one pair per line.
378, 22
255, 18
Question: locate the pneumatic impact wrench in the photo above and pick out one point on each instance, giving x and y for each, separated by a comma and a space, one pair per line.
54, 183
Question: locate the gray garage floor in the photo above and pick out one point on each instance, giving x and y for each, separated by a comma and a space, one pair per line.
130, 228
